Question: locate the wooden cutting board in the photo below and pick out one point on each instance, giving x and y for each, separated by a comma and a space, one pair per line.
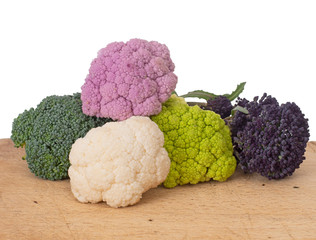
244, 207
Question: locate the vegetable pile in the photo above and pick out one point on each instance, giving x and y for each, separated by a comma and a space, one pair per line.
127, 131
268, 138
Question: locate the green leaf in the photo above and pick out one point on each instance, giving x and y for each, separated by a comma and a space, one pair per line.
237, 91
199, 94
240, 109
207, 95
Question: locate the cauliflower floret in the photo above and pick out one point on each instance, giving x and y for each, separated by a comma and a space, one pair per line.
118, 162
129, 79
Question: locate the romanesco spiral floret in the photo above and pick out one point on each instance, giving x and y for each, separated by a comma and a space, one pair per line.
198, 143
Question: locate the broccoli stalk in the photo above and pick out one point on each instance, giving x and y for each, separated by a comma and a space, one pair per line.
48, 132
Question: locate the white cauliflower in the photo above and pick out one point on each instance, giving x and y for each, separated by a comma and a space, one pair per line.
118, 162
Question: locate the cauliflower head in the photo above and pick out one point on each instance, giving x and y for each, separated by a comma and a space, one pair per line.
129, 79
198, 143
118, 162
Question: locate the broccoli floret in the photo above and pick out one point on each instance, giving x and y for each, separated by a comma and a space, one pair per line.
219, 104
22, 127
272, 138
48, 132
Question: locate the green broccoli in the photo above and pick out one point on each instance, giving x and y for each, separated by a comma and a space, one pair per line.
198, 143
49, 131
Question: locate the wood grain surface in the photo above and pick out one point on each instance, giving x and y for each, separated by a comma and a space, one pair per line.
244, 207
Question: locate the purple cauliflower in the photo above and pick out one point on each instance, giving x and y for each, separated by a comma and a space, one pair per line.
272, 138
129, 79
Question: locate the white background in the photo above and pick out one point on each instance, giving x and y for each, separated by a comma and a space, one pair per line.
46, 47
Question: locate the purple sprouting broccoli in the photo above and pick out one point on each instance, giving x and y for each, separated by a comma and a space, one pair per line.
270, 139
129, 79
252, 108
219, 104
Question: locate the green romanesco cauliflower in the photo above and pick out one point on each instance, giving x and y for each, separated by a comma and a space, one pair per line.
48, 132
198, 143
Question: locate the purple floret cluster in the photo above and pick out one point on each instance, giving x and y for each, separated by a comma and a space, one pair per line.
219, 104
129, 79
271, 139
